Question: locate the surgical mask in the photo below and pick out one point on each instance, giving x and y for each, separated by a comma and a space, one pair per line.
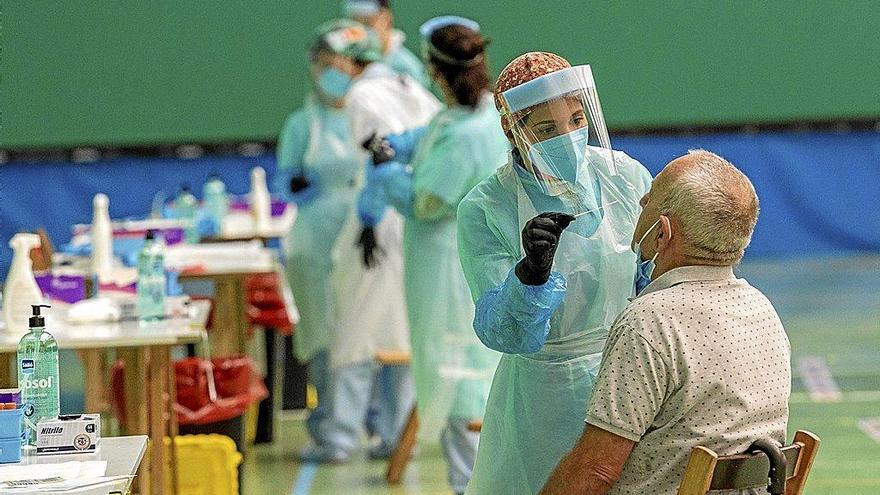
563, 155
644, 268
334, 83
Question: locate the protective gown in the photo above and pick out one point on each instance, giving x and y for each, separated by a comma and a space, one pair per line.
537, 402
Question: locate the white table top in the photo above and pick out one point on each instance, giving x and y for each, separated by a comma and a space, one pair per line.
120, 334
123, 456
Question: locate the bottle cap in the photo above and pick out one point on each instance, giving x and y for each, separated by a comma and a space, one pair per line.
37, 321
151, 235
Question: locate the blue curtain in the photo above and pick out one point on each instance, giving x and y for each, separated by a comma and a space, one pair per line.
817, 189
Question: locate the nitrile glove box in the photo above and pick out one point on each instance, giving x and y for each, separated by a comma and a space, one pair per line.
69, 434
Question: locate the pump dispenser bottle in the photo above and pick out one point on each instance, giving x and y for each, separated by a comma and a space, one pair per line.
38, 374
261, 202
21, 290
102, 237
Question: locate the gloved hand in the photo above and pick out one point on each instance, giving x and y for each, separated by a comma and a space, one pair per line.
369, 248
302, 190
380, 150
404, 144
540, 238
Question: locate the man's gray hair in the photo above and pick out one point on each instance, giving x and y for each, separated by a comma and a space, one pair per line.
716, 205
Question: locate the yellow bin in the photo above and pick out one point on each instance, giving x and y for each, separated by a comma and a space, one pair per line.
206, 465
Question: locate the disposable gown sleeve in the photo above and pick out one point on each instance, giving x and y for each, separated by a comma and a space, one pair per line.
510, 316
292, 143
387, 185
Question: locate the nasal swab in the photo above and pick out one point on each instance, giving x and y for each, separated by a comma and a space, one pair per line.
595, 209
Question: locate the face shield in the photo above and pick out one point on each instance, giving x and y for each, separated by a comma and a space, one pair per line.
558, 128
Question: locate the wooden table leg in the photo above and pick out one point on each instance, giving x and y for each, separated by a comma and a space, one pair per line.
157, 394
402, 453
226, 335
172, 425
95, 369
136, 403
8, 376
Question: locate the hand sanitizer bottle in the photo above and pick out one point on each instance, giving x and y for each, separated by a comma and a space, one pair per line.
216, 204
38, 375
102, 237
151, 279
186, 207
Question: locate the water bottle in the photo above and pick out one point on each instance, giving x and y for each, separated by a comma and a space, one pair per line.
37, 358
151, 280
186, 206
216, 204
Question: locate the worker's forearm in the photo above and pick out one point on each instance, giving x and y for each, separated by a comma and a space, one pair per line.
515, 318
573, 477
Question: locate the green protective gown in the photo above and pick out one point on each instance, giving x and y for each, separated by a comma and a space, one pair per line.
315, 142
453, 370
403, 61
536, 408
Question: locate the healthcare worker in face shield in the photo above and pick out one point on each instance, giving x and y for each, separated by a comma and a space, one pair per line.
318, 171
377, 15
367, 281
430, 173
545, 247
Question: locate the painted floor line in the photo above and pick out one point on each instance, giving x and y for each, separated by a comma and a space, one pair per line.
871, 427
854, 396
305, 478
817, 379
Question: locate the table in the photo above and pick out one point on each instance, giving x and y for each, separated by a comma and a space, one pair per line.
123, 456
149, 383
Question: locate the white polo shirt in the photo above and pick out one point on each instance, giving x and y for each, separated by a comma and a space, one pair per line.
699, 358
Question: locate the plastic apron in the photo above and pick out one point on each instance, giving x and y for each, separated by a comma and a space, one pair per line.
330, 160
538, 402
452, 368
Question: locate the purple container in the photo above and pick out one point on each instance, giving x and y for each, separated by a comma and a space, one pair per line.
241, 204
10, 395
64, 288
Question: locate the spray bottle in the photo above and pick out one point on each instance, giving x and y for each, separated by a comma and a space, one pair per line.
102, 237
21, 290
261, 202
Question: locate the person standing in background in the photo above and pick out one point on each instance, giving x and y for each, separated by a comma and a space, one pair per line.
431, 171
318, 171
369, 313
377, 15
544, 244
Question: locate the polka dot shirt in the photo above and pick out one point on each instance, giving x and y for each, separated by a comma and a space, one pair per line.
699, 358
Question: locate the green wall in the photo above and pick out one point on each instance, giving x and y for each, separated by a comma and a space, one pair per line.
140, 72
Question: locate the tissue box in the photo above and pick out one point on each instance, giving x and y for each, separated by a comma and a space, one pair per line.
69, 434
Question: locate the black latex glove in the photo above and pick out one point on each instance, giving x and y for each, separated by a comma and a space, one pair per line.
379, 148
298, 183
369, 248
540, 238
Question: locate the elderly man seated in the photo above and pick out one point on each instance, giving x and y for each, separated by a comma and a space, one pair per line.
699, 357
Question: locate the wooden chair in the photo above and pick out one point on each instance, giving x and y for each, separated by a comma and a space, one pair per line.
399, 459
706, 470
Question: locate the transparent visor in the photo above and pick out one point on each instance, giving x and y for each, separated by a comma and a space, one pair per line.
559, 130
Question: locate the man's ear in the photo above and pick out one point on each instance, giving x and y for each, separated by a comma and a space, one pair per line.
664, 237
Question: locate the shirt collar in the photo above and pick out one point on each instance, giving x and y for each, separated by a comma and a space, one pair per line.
691, 273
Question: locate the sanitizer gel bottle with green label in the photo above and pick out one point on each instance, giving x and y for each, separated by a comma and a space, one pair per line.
38, 375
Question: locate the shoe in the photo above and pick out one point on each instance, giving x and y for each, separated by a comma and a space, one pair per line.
381, 451
322, 454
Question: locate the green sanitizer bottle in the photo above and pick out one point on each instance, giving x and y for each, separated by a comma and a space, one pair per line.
38, 375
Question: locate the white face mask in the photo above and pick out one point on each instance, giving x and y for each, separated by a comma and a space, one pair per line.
644, 268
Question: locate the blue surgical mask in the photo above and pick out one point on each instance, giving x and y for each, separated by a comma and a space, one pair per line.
644, 268
564, 154
334, 83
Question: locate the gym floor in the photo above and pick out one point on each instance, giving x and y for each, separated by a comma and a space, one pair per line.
831, 310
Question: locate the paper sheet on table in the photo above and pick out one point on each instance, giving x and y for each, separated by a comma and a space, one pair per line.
63, 476
52, 485
231, 256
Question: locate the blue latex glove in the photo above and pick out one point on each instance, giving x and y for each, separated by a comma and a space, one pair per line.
404, 144
515, 318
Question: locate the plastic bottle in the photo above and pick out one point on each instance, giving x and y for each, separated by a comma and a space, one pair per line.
21, 290
102, 237
38, 374
260, 201
186, 207
216, 204
151, 279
